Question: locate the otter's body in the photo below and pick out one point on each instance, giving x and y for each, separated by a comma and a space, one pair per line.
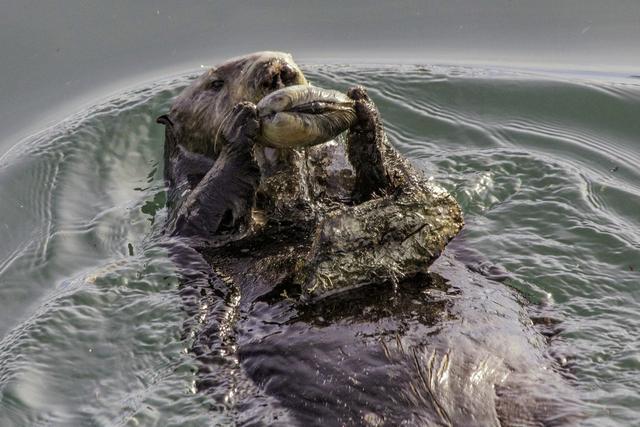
351, 228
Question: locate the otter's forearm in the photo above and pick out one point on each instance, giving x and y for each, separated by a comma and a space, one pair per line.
222, 201
366, 148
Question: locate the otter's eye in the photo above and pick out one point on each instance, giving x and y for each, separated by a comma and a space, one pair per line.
216, 84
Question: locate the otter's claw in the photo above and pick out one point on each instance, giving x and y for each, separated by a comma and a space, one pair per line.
241, 127
358, 93
367, 115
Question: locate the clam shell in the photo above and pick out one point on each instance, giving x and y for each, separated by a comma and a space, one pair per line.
301, 116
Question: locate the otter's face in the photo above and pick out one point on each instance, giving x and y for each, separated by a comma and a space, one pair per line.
199, 111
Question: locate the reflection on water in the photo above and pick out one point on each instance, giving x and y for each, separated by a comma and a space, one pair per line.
91, 326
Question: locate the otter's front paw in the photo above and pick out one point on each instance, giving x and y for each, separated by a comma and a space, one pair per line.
241, 127
366, 145
367, 115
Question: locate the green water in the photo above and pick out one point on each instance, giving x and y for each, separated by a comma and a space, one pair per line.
545, 167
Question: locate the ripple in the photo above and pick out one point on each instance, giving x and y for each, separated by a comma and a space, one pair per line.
544, 166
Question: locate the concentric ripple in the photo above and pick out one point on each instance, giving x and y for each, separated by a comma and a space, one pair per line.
545, 167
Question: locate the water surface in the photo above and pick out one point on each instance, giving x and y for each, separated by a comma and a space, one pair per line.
58, 55
544, 165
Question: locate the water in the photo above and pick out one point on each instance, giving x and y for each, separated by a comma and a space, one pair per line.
57, 55
544, 165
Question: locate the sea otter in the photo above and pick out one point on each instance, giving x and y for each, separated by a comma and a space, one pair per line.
366, 214
307, 275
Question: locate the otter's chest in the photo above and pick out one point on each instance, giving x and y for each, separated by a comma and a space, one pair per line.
307, 183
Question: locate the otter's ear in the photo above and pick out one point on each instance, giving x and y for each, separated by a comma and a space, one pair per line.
164, 120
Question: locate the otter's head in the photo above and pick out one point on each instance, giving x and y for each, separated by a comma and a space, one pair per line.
199, 111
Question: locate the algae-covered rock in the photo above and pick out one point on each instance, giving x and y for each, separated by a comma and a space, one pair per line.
381, 240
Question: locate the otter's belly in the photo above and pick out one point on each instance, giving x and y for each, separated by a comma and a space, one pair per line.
441, 349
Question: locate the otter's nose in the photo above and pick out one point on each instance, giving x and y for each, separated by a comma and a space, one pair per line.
280, 76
